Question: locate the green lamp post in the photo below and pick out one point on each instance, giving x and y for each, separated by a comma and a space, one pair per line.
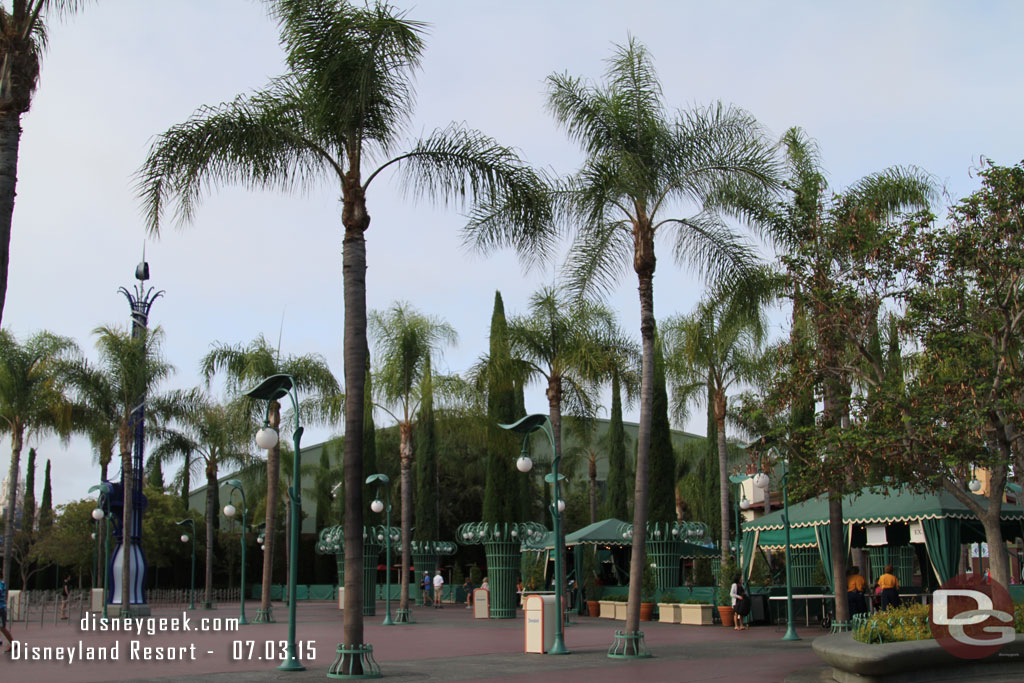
101, 512
191, 523
527, 426
378, 505
762, 481
274, 388
229, 511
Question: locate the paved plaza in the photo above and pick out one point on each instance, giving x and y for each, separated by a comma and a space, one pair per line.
442, 645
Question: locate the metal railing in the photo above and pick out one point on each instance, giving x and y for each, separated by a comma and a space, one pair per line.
45, 607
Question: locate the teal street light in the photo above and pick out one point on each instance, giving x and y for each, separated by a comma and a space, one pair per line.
527, 426
191, 523
229, 511
378, 505
271, 389
762, 481
101, 512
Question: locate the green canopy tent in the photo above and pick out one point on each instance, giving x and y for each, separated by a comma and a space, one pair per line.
945, 523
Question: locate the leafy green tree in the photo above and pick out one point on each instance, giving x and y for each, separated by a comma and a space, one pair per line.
69, 541
501, 375
345, 99
661, 504
46, 504
428, 492
33, 402
617, 472
22, 40
405, 340
220, 436
28, 504
640, 165
245, 365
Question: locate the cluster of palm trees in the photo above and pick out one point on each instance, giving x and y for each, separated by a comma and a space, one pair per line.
648, 174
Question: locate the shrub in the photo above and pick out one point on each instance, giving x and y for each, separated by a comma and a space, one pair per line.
668, 599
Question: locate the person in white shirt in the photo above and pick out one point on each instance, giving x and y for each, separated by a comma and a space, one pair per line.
438, 584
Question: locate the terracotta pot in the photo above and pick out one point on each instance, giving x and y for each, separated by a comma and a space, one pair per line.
725, 612
593, 608
646, 611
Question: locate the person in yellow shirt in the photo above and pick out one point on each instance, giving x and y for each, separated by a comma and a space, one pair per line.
890, 588
855, 585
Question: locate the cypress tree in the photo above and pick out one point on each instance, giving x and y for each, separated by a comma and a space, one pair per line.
156, 475
186, 479
28, 504
617, 502
46, 505
661, 501
369, 443
501, 493
427, 493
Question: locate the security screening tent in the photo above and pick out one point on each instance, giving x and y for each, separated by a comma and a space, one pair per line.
937, 521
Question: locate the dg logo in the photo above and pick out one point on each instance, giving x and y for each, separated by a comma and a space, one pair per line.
972, 617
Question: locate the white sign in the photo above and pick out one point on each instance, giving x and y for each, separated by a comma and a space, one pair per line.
876, 534
916, 532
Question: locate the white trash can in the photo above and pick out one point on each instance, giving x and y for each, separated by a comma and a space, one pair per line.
541, 623
481, 603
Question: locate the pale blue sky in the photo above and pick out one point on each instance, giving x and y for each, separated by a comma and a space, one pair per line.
933, 84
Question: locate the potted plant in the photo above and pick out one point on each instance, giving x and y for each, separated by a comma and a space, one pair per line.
725, 576
696, 613
668, 609
607, 607
648, 587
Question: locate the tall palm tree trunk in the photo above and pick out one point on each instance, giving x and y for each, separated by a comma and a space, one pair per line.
356, 220
643, 263
10, 139
17, 440
592, 476
273, 499
211, 515
405, 432
723, 474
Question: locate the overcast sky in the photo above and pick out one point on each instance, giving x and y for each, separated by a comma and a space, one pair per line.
932, 84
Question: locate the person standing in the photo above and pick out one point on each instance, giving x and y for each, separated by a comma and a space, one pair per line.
855, 585
426, 587
438, 586
739, 603
890, 586
65, 597
467, 586
3, 614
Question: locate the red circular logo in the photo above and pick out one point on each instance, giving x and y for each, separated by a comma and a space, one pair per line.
972, 616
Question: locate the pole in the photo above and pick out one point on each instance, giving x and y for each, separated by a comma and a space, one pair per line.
790, 627
106, 562
245, 512
387, 558
292, 663
558, 647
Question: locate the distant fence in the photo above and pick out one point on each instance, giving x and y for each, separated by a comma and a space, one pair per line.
41, 607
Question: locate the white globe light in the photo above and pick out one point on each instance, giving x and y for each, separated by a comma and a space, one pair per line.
380, 537
377, 505
266, 438
975, 485
561, 505
744, 504
761, 480
229, 510
184, 538
524, 464
625, 534
263, 547
97, 514
93, 534
514, 533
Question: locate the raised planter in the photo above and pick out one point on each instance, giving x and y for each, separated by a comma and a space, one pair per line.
646, 611
668, 612
607, 609
620, 610
696, 615
593, 608
909, 662
725, 614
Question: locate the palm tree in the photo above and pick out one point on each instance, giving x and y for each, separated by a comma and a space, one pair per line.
718, 346
130, 365
640, 164
220, 434
405, 340
244, 366
32, 403
345, 99
22, 40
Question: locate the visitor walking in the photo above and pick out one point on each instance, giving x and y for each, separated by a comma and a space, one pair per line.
438, 587
3, 614
890, 586
65, 597
426, 587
